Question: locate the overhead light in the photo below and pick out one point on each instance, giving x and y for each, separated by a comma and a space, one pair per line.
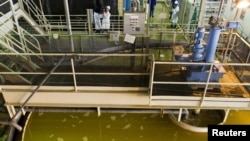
242, 3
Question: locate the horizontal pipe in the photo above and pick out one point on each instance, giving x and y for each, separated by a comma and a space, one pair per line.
107, 110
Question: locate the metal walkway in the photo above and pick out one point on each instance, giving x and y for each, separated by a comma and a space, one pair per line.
130, 78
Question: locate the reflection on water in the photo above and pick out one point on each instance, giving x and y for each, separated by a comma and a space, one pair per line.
239, 117
114, 127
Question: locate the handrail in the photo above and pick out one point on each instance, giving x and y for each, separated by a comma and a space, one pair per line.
25, 48
4, 6
79, 22
36, 11
4, 3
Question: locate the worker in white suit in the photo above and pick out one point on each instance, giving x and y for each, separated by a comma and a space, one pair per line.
98, 13
106, 19
174, 14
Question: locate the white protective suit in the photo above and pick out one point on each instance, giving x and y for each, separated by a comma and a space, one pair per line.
106, 19
174, 17
97, 20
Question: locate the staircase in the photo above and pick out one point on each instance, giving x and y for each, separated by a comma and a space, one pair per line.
14, 40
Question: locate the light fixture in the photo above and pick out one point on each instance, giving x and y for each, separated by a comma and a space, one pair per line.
242, 3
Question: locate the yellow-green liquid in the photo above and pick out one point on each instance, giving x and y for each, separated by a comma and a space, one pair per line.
114, 127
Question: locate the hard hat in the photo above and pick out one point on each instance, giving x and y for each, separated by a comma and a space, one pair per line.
108, 7
176, 2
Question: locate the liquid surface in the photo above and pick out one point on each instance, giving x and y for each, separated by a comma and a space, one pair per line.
114, 127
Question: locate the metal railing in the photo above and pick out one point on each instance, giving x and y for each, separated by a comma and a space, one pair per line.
5, 7
10, 37
80, 23
233, 92
38, 15
239, 62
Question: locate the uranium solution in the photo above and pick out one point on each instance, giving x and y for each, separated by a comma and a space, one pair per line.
113, 127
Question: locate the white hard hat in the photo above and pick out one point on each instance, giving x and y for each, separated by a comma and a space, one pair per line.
108, 7
176, 2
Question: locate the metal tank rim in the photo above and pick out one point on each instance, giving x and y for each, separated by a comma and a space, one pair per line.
191, 127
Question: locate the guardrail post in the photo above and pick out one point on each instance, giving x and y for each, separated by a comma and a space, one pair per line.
90, 20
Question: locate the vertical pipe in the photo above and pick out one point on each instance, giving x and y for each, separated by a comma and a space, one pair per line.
66, 8
127, 5
202, 7
198, 48
213, 38
220, 9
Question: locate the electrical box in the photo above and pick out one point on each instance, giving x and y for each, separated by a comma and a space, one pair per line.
134, 23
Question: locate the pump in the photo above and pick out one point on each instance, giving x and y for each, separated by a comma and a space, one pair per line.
204, 54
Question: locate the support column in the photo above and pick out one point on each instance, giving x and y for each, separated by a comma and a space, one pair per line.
98, 111
226, 116
11, 110
66, 8
180, 114
90, 20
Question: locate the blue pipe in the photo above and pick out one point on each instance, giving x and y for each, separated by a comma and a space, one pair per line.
198, 48
127, 5
212, 42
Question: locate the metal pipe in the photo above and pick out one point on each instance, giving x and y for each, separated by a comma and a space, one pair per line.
220, 9
202, 83
76, 54
14, 126
73, 73
13, 119
66, 7
41, 83
127, 5
107, 110
213, 39
198, 48
77, 73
